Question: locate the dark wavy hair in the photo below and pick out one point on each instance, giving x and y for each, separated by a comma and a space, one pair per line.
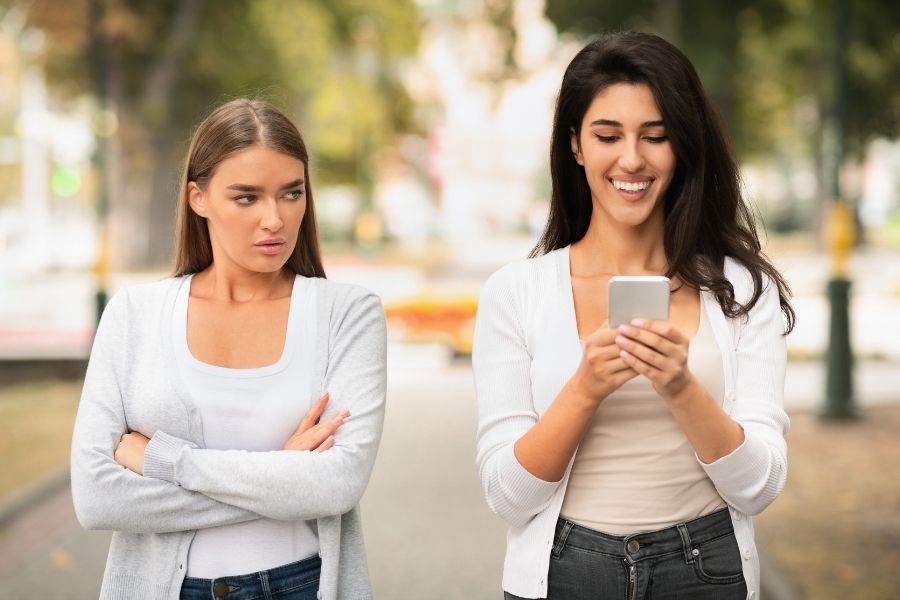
706, 217
232, 127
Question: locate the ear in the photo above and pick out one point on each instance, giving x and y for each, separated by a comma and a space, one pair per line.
576, 146
196, 199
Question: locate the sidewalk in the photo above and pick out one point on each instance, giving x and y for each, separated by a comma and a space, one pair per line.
835, 530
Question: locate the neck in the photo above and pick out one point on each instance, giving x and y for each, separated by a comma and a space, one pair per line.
238, 285
612, 249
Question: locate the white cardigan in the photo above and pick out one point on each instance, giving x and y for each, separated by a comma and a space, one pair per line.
132, 384
526, 348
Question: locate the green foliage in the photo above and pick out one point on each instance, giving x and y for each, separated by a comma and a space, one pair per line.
769, 64
311, 57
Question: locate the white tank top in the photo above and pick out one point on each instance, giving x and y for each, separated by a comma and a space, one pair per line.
635, 469
256, 410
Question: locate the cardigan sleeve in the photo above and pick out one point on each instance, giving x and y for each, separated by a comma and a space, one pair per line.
291, 484
753, 475
501, 366
105, 494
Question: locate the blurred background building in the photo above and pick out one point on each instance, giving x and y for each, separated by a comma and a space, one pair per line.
428, 123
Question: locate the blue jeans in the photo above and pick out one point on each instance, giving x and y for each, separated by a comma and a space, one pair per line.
698, 559
294, 581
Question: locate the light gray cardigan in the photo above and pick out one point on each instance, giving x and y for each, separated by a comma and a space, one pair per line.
132, 385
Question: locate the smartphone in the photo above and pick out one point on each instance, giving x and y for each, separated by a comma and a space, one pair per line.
638, 296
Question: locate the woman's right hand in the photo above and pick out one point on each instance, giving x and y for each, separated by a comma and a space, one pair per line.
313, 435
602, 370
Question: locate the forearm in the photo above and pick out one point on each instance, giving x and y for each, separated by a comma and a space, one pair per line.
285, 485
546, 449
710, 431
110, 497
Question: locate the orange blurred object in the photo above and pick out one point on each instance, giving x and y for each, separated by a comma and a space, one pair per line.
429, 317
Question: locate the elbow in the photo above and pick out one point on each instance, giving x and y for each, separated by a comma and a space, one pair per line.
760, 497
90, 514
514, 518
346, 497
504, 505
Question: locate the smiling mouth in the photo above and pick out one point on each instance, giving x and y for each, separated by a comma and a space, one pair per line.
631, 186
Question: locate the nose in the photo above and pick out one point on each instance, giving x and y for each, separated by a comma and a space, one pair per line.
631, 159
270, 220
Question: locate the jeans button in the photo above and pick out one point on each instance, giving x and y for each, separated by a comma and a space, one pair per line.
632, 546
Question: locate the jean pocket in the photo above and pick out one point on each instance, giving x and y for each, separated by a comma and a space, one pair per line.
719, 561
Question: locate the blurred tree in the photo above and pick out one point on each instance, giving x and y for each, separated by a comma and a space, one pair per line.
768, 63
330, 63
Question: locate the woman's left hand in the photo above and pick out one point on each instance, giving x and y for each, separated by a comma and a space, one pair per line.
659, 351
130, 451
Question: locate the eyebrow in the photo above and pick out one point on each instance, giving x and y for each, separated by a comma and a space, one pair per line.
241, 187
612, 123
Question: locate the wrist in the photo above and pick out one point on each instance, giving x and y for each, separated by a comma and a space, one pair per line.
690, 391
581, 394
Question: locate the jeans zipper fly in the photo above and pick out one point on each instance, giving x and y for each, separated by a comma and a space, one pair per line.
631, 591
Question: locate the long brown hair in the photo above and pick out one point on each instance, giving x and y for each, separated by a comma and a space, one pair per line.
706, 217
230, 128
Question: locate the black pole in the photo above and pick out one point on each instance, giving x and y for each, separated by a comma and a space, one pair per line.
839, 402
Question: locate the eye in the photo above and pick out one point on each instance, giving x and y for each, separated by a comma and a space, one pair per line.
658, 139
244, 200
607, 139
294, 195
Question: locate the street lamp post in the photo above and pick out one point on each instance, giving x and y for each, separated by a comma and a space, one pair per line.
839, 402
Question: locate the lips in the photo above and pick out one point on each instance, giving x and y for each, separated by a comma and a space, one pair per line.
270, 246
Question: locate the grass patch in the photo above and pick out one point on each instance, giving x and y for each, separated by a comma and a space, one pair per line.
36, 422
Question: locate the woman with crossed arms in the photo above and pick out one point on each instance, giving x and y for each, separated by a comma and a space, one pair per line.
231, 413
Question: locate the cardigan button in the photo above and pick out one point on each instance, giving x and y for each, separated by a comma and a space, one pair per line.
747, 554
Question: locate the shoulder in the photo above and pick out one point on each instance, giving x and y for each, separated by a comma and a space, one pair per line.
744, 283
340, 300
341, 292
139, 300
526, 274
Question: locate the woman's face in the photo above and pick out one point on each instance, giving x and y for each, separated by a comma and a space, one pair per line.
627, 158
253, 205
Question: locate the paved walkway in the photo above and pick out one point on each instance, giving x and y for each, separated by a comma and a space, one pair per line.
428, 531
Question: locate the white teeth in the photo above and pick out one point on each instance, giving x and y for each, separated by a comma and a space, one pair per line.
629, 186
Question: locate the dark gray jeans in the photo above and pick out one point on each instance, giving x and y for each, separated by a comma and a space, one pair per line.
698, 559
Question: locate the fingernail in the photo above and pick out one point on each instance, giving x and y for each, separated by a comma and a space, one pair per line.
621, 340
638, 322
625, 328
624, 354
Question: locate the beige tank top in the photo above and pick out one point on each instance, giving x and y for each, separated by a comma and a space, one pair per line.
635, 469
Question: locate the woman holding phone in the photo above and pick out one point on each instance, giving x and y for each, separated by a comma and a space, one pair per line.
231, 413
627, 461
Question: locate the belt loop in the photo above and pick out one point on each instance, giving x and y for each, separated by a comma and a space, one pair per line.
264, 583
686, 542
563, 536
